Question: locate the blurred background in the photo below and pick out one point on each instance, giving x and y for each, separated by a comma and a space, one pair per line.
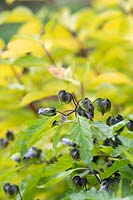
82, 46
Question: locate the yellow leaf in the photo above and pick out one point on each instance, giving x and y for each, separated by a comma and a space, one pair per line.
49, 90
19, 14
33, 26
6, 74
106, 2
111, 77
9, 2
60, 37
22, 46
105, 16
2, 44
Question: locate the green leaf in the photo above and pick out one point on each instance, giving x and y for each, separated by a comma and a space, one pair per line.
118, 150
63, 163
59, 177
119, 125
30, 60
84, 140
116, 166
32, 181
32, 134
88, 195
129, 156
101, 130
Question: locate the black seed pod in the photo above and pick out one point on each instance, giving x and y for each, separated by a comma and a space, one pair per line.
130, 125
108, 142
6, 186
10, 135
75, 154
33, 153
37, 152
47, 111
56, 123
88, 114
3, 143
105, 185
114, 120
80, 112
116, 140
11, 190
110, 163
82, 182
76, 180
86, 104
25, 70
64, 97
103, 105
79, 182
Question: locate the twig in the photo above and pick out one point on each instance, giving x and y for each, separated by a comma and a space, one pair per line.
32, 107
49, 55
21, 198
16, 74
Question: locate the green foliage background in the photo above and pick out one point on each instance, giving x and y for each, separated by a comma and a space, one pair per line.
88, 52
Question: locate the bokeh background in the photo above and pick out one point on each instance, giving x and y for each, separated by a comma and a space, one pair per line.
85, 47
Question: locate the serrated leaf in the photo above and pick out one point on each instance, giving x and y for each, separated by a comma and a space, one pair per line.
84, 139
59, 177
118, 150
32, 181
101, 130
63, 163
32, 134
88, 195
119, 125
116, 166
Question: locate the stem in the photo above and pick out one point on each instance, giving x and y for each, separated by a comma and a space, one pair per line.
72, 111
78, 102
49, 55
75, 103
61, 113
32, 107
97, 177
21, 198
16, 74
75, 37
